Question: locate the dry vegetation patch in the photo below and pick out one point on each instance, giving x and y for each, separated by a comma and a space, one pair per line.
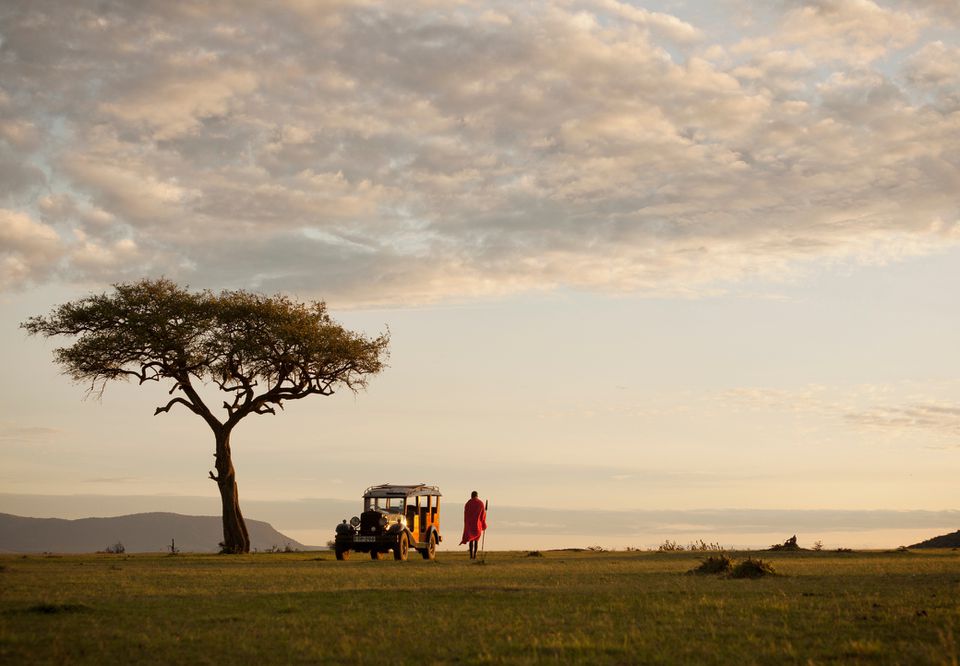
714, 564
752, 568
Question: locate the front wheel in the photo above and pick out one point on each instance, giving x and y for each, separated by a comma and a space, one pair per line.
430, 552
402, 547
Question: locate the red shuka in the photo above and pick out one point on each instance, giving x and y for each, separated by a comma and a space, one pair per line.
474, 520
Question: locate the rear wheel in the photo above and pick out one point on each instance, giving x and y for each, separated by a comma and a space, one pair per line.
377, 554
402, 547
343, 554
430, 552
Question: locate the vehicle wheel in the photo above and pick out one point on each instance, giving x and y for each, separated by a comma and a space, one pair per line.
377, 554
343, 554
400, 550
430, 552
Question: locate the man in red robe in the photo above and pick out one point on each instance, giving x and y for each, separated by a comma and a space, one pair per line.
474, 523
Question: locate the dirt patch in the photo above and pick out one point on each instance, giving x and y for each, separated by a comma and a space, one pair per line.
56, 609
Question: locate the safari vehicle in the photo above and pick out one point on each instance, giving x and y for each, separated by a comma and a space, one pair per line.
395, 518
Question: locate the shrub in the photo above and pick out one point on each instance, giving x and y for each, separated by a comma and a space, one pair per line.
789, 544
534, 553
698, 546
116, 549
818, 545
714, 564
751, 568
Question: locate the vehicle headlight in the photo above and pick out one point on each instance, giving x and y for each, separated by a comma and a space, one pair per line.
355, 521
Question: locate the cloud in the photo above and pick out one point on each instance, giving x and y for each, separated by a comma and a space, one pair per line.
29, 250
11, 433
410, 152
894, 409
947, 10
854, 31
309, 513
935, 69
664, 24
938, 417
174, 103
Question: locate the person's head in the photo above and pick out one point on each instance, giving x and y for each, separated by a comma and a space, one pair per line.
474, 495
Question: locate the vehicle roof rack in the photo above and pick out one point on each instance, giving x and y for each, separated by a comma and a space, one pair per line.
399, 490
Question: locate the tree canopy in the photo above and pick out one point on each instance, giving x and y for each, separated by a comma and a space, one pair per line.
261, 351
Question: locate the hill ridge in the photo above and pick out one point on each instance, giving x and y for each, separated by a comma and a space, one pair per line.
138, 532
951, 540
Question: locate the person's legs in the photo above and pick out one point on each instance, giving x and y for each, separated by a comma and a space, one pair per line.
473, 550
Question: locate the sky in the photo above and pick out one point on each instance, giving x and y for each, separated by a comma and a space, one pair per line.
695, 261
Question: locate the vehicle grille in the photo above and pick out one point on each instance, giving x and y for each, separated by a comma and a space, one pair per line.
370, 522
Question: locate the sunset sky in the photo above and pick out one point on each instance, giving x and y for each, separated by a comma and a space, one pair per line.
668, 256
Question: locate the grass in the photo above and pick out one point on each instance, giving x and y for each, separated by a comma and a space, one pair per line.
564, 607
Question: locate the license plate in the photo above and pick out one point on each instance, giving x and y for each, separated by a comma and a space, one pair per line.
365, 538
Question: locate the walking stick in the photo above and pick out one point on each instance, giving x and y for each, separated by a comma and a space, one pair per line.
483, 537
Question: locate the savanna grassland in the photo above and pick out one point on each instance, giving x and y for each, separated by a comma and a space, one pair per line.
564, 607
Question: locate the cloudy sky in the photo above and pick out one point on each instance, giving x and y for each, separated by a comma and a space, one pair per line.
671, 255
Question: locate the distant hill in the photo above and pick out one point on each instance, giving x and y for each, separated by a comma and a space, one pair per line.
951, 540
139, 533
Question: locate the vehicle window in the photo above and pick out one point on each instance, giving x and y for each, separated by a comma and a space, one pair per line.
389, 504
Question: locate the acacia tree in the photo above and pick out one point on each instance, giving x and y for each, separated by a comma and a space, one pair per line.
258, 350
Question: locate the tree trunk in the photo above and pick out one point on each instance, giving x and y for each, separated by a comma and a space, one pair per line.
235, 536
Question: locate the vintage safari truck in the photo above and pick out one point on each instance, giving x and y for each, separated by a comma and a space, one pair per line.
395, 518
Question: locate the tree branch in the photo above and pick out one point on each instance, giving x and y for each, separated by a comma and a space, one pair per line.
198, 403
177, 401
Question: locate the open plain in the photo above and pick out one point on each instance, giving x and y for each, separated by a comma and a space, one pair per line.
561, 607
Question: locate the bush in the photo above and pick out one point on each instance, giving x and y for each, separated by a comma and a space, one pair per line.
751, 568
789, 544
534, 553
698, 546
116, 549
714, 564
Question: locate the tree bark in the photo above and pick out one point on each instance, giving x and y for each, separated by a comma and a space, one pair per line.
235, 536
